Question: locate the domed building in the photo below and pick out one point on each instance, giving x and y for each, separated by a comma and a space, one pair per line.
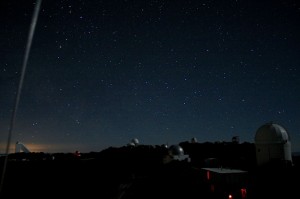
176, 150
133, 142
272, 144
194, 140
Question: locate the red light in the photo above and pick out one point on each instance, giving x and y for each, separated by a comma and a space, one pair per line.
212, 188
207, 175
230, 196
244, 193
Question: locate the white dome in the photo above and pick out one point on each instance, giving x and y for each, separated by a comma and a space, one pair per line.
194, 140
271, 133
176, 150
130, 144
135, 141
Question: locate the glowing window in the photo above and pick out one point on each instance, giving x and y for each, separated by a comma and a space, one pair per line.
244, 193
208, 175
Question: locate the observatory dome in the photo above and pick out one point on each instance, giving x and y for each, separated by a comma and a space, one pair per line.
176, 150
194, 140
135, 141
271, 133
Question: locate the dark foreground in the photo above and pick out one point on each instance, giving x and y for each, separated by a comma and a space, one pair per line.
108, 176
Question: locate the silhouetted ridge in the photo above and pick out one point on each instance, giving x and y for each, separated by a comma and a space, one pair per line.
141, 171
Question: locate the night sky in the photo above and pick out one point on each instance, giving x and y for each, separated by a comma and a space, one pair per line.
101, 72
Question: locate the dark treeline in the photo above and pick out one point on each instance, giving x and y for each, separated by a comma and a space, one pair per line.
136, 172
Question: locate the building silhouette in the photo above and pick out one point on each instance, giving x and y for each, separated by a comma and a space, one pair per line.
272, 144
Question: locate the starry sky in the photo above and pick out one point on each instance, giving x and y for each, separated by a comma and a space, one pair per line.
101, 72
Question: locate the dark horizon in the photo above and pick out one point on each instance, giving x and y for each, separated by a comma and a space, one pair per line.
140, 172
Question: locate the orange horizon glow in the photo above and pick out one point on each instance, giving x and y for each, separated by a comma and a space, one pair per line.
45, 148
